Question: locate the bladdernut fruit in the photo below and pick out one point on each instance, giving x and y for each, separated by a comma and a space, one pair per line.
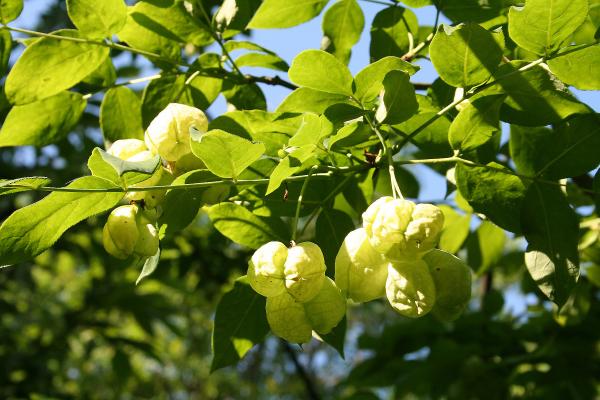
452, 279
287, 318
168, 135
299, 270
135, 150
304, 271
128, 231
410, 288
265, 269
294, 321
326, 309
360, 270
399, 229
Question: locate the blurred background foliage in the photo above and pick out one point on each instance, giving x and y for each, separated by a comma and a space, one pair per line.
73, 325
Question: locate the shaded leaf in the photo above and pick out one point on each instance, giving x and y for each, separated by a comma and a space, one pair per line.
551, 228
240, 323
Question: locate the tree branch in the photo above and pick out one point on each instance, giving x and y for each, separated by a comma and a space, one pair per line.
309, 385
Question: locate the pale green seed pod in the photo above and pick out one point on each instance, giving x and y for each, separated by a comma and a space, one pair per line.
452, 279
168, 135
326, 309
287, 319
265, 269
187, 163
304, 271
410, 288
147, 243
360, 271
120, 233
399, 229
385, 222
125, 149
215, 194
424, 230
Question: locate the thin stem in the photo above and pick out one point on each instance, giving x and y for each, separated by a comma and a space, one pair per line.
323, 202
110, 45
299, 204
186, 186
126, 83
383, 3
219, 39
396, 192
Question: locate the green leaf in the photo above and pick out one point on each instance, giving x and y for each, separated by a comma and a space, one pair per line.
224, 154
42, 122
596, 188
174, 23
104, 76
242, 227
285, 14
98, 18
542, 26
49, 66
246, 96
309, 100
535, 97
551, 228
571, 149
235, 14
501, 205
578, 67
476, 123
270, 61
28, 183
240, 323
272, 129
311, 131
149, 267
331, 228
121, 172
343, 24
456, 229
10, 10
175, 218
474, 10
33, 229
121, 115
369, 81
318, 70
299, 159
464, 55
485, 247
390, 32
349, 135
399, 100
5, 50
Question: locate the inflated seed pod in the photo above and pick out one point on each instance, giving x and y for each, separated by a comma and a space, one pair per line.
287, 318
326, 309
168, 135
304, 271
399, 229
265, 269
360, 270
452, 279
120, 233
410, 288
